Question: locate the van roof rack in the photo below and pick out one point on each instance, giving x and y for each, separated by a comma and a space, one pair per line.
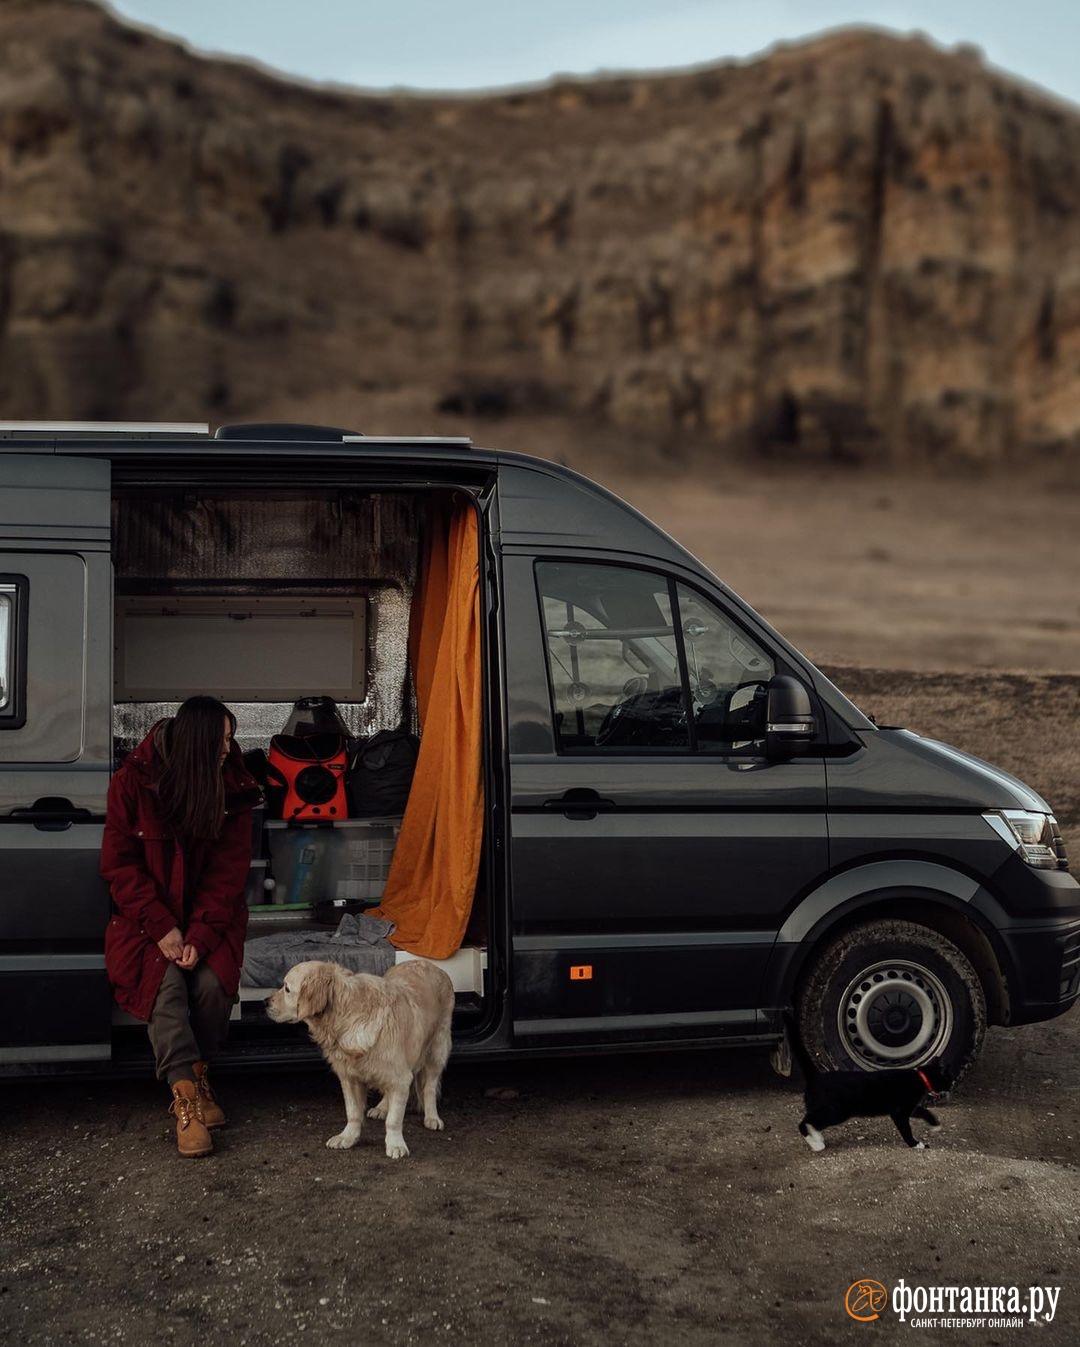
81, 430
276, 432
284, 430
267, 433
422, 441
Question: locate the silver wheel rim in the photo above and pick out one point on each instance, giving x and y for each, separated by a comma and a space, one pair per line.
894, 1014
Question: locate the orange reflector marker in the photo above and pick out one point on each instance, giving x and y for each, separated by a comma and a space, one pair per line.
581, 972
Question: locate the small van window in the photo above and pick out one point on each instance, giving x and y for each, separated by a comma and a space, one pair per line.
9, 640
613, 658
729, 675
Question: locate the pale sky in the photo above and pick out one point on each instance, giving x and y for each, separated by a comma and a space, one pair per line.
470, 44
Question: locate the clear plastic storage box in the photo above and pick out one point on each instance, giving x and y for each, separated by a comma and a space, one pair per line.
347, 860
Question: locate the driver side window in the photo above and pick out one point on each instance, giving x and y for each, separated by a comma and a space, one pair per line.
613, 658
728, 676
640, 663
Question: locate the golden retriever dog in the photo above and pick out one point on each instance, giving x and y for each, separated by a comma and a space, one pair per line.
383, 1032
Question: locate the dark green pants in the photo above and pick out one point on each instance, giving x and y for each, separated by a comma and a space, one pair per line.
189, 1022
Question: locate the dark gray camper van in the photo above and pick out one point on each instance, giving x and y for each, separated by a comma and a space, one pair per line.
687, 826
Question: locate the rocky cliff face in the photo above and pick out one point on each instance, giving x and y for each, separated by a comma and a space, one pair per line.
861, 247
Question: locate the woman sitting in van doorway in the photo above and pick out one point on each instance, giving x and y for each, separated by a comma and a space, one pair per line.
176, 855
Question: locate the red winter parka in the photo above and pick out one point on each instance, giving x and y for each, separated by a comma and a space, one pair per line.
148, 875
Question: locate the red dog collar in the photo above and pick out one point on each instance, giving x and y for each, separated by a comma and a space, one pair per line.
929, 1088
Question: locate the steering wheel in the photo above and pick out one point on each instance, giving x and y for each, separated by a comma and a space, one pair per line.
619, 724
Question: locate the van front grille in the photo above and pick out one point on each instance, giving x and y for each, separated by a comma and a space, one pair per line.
1070, 965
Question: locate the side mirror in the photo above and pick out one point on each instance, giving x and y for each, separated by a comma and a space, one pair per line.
790, 726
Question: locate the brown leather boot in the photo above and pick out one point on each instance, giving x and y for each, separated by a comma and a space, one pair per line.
213, 1115
192, 1138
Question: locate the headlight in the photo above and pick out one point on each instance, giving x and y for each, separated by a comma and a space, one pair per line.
1035, 836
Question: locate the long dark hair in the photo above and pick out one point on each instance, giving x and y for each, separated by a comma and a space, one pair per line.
191, 792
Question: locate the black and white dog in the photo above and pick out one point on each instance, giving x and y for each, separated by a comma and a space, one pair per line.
833, 1097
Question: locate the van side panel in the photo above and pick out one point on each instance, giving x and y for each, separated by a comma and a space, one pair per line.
47, 499
653, 915
543, 507
55, 1003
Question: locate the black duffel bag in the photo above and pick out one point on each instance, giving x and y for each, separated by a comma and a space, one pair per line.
381, 773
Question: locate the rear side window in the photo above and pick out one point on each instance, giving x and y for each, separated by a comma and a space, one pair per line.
12, 651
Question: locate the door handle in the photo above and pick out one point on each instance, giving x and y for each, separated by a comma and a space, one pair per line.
580, 803
51, 815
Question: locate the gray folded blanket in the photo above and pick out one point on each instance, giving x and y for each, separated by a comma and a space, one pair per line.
359, 944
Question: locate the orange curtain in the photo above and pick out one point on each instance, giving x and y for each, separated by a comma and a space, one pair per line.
429, 892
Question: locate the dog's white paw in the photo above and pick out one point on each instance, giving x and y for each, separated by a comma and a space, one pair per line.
396, 1150
378, 1111
919, 1146
343, 1141
433, 1123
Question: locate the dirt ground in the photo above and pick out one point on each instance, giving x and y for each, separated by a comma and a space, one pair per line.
642, 1199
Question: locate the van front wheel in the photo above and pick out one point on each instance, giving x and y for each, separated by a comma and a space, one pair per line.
892, 994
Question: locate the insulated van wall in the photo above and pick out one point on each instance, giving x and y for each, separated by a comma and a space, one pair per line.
319, 572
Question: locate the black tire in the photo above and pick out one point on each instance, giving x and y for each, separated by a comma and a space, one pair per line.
892, 994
